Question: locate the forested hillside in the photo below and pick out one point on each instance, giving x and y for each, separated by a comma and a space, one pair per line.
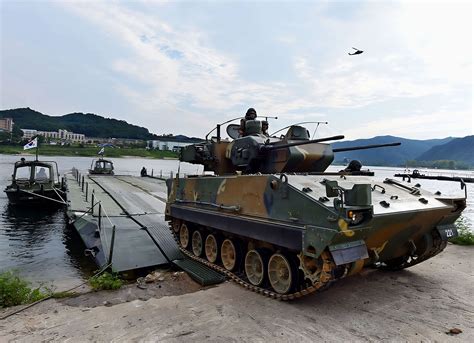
89, 124
459, 149
410, 149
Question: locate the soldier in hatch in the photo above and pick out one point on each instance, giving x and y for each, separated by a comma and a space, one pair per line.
265, 128
250, 115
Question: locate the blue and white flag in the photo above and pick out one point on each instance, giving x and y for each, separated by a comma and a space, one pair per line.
31, 144
101, 152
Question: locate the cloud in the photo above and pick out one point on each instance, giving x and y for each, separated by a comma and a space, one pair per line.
175, 71
347, 85
440, 36
411, 51
176, 67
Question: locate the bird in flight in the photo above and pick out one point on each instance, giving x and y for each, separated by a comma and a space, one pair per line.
357, 52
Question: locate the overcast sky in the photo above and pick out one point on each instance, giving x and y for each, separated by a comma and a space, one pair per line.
180, 67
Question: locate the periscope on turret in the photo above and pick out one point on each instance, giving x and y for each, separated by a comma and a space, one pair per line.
273, 219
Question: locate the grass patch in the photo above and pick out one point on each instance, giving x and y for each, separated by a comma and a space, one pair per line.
16, 291
106, 281
465, 236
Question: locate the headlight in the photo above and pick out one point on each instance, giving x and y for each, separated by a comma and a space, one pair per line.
355, 217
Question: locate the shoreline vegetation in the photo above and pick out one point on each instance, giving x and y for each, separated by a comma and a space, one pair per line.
16, 290
88, 151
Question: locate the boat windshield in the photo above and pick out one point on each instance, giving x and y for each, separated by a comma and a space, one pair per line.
23, 173
103, 165
42, 174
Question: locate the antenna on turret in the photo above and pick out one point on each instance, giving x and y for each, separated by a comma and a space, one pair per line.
317, 125
303, 122
218, 128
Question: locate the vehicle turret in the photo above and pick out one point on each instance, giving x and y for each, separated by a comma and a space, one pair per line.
256, 152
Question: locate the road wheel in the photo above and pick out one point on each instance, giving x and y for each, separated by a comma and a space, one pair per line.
280, 273
184, 236
176, 226
196, 243
211, 248
255, 267
229, 254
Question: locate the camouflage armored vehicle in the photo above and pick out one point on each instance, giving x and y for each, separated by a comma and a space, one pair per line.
273, 220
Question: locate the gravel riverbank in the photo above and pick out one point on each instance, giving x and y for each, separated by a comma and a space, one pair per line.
418, 304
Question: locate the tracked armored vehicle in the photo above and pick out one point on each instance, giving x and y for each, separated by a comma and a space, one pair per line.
274, 221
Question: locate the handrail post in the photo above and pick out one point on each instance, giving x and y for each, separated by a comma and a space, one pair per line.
100, 213
152, 173
87, 189
112, 241
82, 185
161, 173
92, 200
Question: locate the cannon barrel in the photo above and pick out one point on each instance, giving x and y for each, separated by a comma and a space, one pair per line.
363, 147
282, 146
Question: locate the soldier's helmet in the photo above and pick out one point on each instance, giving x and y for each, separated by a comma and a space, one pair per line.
251, 114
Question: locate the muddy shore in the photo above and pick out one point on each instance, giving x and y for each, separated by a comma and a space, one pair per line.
418, 304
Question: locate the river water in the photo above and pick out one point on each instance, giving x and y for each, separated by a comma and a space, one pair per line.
43, 249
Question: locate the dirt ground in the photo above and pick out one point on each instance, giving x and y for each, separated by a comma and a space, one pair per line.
418, 304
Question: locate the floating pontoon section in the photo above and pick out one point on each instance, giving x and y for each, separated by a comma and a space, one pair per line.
121, 221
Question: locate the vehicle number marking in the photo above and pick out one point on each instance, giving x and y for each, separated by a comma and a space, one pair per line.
449, 233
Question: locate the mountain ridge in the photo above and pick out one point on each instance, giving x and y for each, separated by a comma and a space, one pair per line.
453, 150
89, 124
410, 149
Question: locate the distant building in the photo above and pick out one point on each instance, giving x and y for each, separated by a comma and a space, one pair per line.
28, 133
115, 141
127, 141
6, 124
60, 135
173, 143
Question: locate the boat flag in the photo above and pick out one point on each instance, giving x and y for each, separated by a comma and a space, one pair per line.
101, 152
31, 144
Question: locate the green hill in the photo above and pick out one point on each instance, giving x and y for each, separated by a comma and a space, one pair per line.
459, 149
410, 149
89, 124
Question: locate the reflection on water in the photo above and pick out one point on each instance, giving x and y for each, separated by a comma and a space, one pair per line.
28, 230
43, 248
39, 245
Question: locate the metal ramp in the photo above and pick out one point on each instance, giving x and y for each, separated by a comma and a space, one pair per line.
143, 205
199, 272
159, 230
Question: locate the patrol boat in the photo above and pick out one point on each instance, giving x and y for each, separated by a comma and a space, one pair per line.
102, 167
36, 183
